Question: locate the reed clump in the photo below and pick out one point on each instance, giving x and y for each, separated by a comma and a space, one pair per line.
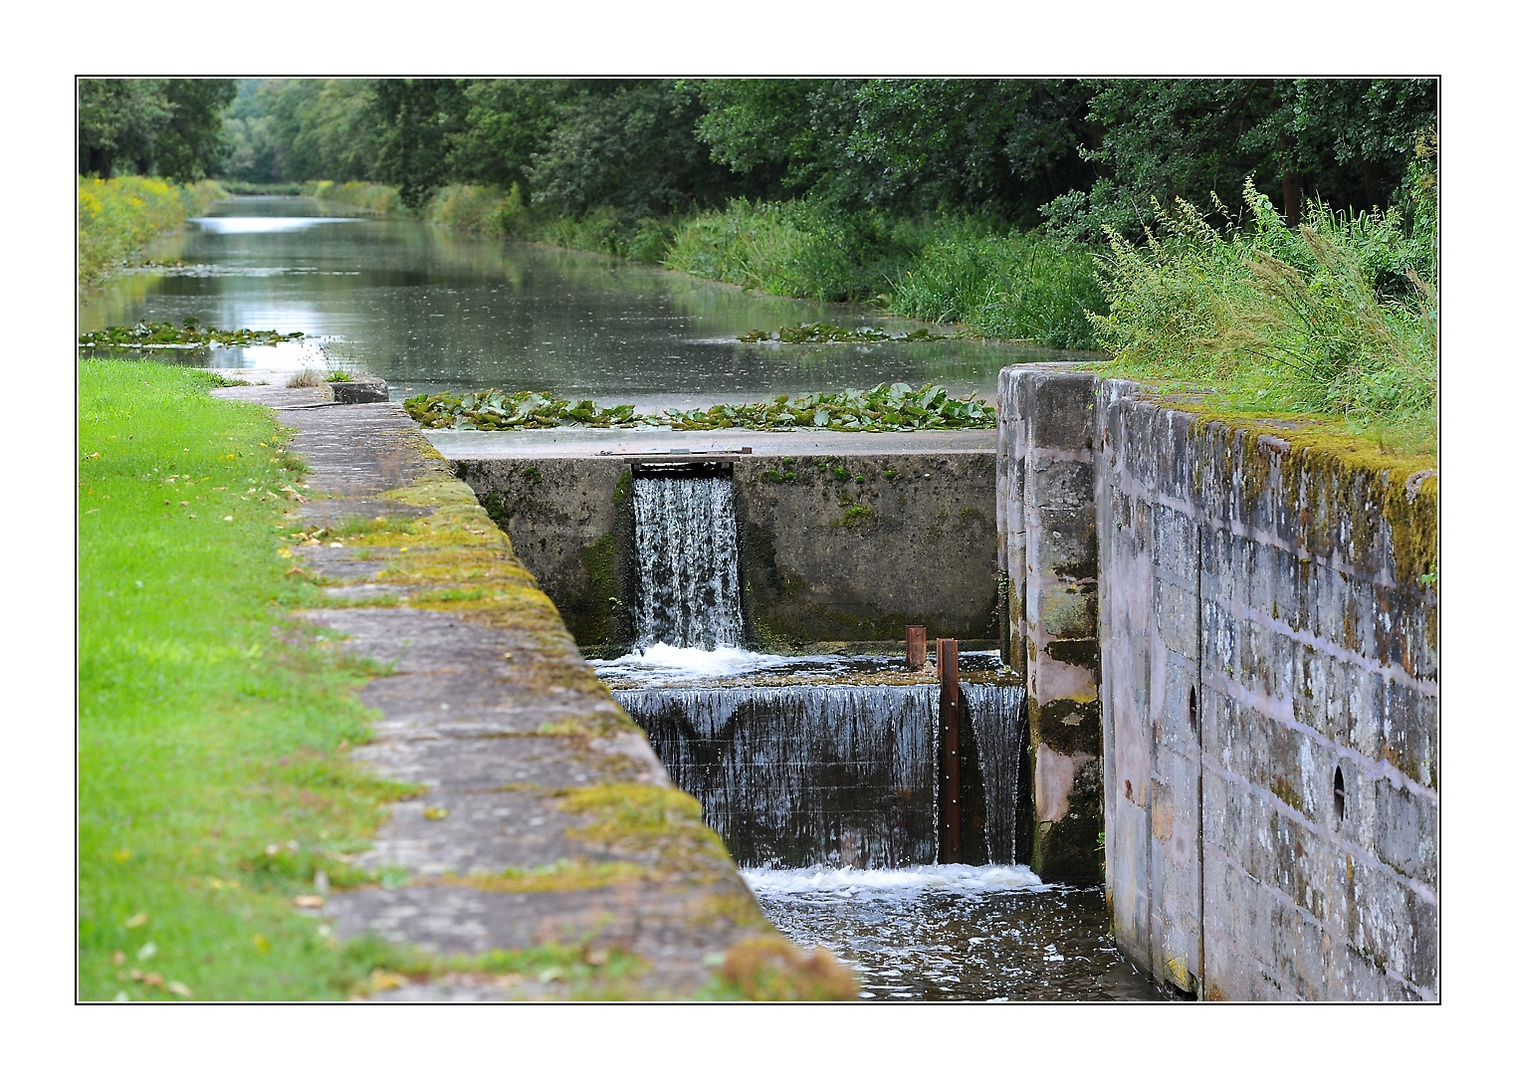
1336, 318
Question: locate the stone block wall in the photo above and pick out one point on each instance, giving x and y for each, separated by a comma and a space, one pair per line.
1268, 687
1049, 553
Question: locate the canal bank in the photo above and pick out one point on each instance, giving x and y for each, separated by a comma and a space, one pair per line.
546, 819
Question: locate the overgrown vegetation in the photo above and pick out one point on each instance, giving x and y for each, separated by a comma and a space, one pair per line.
119, 216
1337, 317
884, 408
215, 785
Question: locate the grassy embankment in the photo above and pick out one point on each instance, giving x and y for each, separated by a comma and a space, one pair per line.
1010, 286
217, 799
214, 781
120, 215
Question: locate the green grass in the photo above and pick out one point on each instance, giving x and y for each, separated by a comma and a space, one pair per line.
213, 776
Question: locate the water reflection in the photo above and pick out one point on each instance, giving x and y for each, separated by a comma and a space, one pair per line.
433, 310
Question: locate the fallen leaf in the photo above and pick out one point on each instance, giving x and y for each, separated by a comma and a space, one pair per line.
310, 901
435, 813
139, 919
260, 943
180, 989
147, 952
152, 978
122, 856
118, 957
227, 518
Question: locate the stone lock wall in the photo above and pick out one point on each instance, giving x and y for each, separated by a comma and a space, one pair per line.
834, 548
1268, 693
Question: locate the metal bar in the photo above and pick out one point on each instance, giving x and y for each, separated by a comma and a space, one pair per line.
915, 648
949, 815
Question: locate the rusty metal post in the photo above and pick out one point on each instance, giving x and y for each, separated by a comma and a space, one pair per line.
915, 648
949, 815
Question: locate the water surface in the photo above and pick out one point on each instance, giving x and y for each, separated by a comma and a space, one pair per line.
429, 309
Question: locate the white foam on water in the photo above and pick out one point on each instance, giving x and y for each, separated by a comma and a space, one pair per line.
845, 881
670, 661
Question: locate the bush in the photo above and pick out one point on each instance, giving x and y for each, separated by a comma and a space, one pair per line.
118, 216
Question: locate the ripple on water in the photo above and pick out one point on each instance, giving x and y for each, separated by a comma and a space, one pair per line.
972, 933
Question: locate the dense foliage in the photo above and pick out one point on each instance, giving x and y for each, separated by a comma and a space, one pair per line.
1014, 152
984, 202
884, 408
158, 127
1338, 316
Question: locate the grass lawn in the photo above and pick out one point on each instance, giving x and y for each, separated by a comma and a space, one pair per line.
213, 786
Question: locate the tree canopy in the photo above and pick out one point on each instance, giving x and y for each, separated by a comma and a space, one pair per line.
1070, 155
165, 127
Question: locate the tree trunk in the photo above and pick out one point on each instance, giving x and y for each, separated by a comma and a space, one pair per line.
1291, 198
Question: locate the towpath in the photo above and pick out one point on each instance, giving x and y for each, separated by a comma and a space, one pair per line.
545, 817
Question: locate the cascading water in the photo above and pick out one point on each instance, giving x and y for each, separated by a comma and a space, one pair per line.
686, 543
837, 775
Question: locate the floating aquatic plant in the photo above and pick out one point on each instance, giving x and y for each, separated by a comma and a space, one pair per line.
165, 335
887, 407
495, 410
825, 332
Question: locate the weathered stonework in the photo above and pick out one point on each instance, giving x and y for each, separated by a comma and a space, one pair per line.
1268, 688
1267, 657
835, 547
1049, 555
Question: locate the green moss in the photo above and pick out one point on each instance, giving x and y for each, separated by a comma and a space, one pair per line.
623, 488
1356, 481
564, 875
856, 517
644, 819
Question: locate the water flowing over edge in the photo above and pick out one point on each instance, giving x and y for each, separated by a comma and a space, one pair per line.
846, 881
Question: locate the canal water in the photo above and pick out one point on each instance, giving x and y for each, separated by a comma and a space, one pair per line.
431, 310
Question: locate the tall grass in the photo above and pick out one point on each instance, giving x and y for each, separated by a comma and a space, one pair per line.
1015, 285
1336, 317
1001, 285
380, 198
120, 215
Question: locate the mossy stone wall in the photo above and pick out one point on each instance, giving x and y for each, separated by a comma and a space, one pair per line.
1268, 665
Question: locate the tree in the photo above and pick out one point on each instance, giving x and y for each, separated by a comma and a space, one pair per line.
1345, 141
417, 118
631, 145
171, 127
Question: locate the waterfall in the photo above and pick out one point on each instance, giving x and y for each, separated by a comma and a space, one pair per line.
686, 544
843, 775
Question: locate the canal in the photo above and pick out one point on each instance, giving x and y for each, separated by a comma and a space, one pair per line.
430, 310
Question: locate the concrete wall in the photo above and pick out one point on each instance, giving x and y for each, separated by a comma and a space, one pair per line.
1269, 700
839, 548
